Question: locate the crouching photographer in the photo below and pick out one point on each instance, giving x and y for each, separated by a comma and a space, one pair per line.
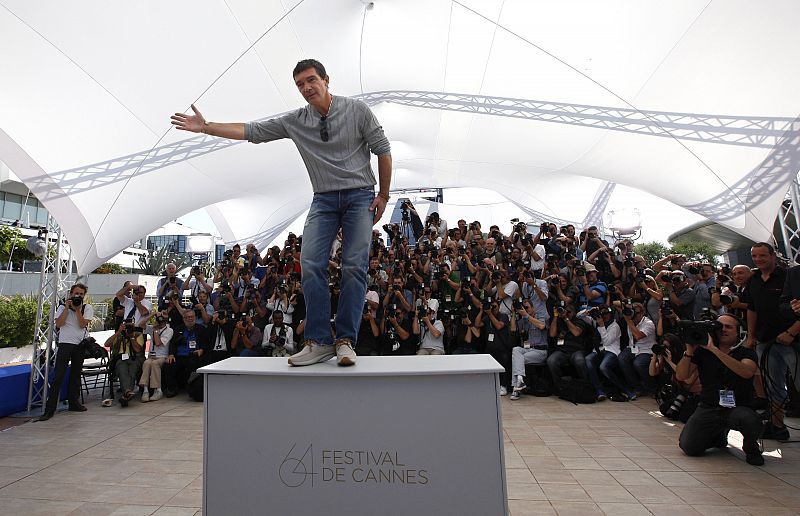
677, 400
726, 370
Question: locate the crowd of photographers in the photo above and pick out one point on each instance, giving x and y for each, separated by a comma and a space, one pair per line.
563, 311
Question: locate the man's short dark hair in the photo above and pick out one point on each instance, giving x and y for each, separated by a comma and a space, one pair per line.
305, 64
78, 285
764, 244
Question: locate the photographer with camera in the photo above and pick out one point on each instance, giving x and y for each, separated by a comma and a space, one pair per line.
196, 283
284, 300
247, 338
160, 337
72, 319
726, 372
529, 325
168, 285
497, 337
504, 291
634, 360
591, 292
677, 400
429, 328
670, 263
592, 242
732, 287
220, 336
397, 329
376, 277
125, 345
677, 290
186, 350
567, 343
278, 339
705, 284
608, 269
369, 332
136, 307
399, 295
605, 360
203, 310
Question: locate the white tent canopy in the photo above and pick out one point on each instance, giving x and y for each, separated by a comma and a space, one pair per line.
541, 101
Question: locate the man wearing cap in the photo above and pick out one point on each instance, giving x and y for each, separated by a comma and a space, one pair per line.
430, 330
592, 293
335, 136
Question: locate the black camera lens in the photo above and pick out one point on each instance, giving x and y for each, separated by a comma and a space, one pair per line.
77, 301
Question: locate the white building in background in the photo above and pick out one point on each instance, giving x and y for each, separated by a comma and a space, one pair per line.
19, 207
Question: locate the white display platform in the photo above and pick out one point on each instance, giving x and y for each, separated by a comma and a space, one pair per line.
389, 436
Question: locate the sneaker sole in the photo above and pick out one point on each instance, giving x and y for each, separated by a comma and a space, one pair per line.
311, 360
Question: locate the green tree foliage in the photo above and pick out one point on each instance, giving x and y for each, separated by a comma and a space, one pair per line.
155, 262
110, 268
696, 251
17, 320
651, 251
11, 238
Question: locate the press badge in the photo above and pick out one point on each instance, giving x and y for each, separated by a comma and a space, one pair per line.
727, 398
635, 349
192, 344
124, 356
490, 337
526, 345
560, 342
447, 299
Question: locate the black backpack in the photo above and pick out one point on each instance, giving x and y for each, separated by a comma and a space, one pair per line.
577, 391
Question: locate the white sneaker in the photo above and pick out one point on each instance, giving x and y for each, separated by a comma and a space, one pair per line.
146, 395
503, 391
312, 353
345, 354
157, 395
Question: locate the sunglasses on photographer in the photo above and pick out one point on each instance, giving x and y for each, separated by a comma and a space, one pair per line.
323, 131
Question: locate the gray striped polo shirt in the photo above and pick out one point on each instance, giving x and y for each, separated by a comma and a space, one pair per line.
343, 161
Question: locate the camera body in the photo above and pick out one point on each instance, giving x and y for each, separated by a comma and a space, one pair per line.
76, 301
696, 332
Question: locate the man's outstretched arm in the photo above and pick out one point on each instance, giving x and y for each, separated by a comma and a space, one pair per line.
197, 124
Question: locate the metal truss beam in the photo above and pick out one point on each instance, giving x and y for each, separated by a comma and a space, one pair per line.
53, 284
789, 221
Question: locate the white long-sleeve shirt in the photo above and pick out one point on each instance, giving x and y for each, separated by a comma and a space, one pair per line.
609, 337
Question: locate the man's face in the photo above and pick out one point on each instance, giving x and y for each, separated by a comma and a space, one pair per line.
373, 264
189, 319
515, 254
310, 85
277, 319
740, 274
202, 297
762, 258
139, 293
77, 291
707, 271
678, 280
591, 276
171, 269
490, 244
398, 282
730, 329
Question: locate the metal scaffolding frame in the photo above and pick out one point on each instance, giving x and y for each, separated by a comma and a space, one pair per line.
789, 222
54, 281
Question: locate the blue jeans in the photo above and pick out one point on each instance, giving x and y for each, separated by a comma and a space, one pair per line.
636, 369
780, 359
348, 210
608, 367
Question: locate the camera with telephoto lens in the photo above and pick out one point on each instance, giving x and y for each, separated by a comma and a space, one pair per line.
544, 227
640, 277
696, 332
160, 319
659, 349
561, 308
226, 286
727, 299
496, 275
580, 270
627, 310
666, 308
694, 269
724, 268
76, 300
674, 410
196, 270
594, 313
487, 303
517, 303
222, 314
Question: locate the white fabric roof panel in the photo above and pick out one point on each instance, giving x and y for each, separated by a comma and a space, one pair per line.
87, 89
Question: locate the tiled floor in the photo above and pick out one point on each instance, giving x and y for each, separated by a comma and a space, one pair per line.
612, 458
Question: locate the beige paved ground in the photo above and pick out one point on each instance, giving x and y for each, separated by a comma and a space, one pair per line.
613, 458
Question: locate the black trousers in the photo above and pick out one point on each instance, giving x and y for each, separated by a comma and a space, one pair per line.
66, 354
558, 361
174, 376
710, 424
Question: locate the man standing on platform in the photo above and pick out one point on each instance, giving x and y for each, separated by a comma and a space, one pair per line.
334, 136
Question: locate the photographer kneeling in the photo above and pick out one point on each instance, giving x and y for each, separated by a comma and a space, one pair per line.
726, 370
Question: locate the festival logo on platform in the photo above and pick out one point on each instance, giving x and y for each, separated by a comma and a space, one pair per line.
303, 467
